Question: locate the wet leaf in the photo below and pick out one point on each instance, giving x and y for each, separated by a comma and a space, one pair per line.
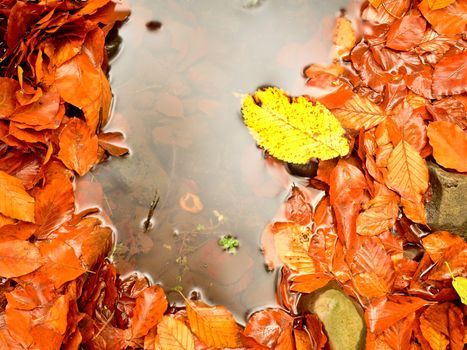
78, 146
173, 334
302, 340
8, 88
406, 33
18, 258
359, 112
449, 144
297, 209
113, 142
438, 242
407, 172
460, 285
384, 312
214, 325
450, 75
379, 215
276, 321
439, 4
449, 20
151, 304
15, 202
293, 130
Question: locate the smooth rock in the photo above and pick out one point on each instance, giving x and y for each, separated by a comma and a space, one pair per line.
447, 209
309, 169
342, 318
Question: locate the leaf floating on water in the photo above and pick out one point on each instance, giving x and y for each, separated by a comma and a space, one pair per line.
293, 129
214, 325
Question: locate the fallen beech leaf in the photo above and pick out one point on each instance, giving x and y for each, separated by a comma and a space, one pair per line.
406, 33
173, 334
18, 258
398, 336
112, 142
449, 144
434, 46
316, 331
8, 88
439, 4
297, 209
78, 146
344, 37
386, 311
407, 172
449, 20
434, 326
15, 202
293, 130
5, 220
359, 112
379, 216
415, 211
214, 325
151, 304
309, 283
437, 243
449, 109
387, 11
191, 203
450, 75
456, 257
408, 125
460, 285
302, 340
374, 270
276, 322
56, 317
19, 323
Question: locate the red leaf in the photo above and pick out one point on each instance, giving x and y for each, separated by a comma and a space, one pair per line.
406, 33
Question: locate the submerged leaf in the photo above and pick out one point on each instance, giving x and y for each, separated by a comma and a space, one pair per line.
293, 130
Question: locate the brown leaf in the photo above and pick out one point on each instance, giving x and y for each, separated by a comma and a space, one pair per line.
450, 75
18, 258
173, 334
8, 88
449, 144
434, 326
214, 325
386, 311
15, 202
406, 33
359, 112
150, 306
276, 322
78, 146
374, 271
407, 172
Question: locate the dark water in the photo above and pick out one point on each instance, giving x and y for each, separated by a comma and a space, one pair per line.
178, 90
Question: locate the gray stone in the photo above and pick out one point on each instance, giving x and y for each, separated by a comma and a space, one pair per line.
447, 209
342, 318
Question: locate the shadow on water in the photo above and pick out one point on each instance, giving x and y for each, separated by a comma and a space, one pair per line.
178, 83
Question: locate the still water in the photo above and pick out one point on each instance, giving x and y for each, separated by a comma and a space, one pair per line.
177, 98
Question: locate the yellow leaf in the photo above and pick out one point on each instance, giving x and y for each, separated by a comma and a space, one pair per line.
460, 285
375, 3
293, 130
439, 4
407, 172
359, 112
214, 325
173, 334
15, 202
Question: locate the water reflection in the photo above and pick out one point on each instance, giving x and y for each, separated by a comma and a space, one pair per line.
178, 93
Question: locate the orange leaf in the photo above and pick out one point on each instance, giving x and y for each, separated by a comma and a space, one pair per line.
449, 144
434, 325
19, 323
344, 38
407, 125
112, 142
173, 334
398, 336
214, 325
302, 340
78, 146
309, 283
276, 322
18, 258
151, 304
407, 172
56, 317
15, 202
449, 20
415, 211
406, 33
359, 112
439, 4
315, 329
8, 88
450, 75
373, 268
382, 313
297, 208
438, 242
380, 215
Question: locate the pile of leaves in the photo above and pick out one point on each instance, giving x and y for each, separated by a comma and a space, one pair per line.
386, 105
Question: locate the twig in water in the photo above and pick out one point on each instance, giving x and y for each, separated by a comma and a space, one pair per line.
152, 208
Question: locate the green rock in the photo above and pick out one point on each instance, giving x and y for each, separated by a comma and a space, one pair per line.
342, 318
447, 209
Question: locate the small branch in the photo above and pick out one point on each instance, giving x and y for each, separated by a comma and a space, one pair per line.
152, 208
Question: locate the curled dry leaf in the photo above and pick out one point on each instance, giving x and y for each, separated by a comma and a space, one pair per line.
359, 112
407, 172
449, 144
15, 202
191, 203
113, 142
214, 325
173, 334
78, 146
18, 258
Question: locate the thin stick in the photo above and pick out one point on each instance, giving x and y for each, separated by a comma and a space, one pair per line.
152, 208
